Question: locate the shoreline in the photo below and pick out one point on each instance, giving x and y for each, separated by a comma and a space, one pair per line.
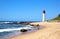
51, 31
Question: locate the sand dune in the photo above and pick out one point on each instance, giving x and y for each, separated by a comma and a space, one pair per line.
51, 30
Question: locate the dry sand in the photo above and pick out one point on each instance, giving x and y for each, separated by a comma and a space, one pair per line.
51, 30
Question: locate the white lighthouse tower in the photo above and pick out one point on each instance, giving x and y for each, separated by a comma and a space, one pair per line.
44, 17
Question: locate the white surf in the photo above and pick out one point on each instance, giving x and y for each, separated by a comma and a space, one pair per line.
13, 29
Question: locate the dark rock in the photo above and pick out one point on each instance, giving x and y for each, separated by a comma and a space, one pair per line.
23, 30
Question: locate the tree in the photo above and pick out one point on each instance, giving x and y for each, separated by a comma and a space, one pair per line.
59, 15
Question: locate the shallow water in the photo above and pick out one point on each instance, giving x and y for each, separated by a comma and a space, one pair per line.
7, 34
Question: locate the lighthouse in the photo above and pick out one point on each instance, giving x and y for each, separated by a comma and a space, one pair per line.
44, 17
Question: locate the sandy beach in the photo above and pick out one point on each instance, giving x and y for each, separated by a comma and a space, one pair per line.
51, 30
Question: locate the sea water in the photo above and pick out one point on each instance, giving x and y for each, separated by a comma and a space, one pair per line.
8, 30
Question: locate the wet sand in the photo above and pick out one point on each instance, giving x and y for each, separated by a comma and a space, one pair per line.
51, 30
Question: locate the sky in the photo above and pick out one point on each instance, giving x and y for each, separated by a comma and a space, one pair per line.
28, 10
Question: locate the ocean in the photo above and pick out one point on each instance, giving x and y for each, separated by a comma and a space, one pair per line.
9, 30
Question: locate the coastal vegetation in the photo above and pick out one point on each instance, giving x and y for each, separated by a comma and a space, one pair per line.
57, 18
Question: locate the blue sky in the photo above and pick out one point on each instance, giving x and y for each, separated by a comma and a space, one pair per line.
28, 10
